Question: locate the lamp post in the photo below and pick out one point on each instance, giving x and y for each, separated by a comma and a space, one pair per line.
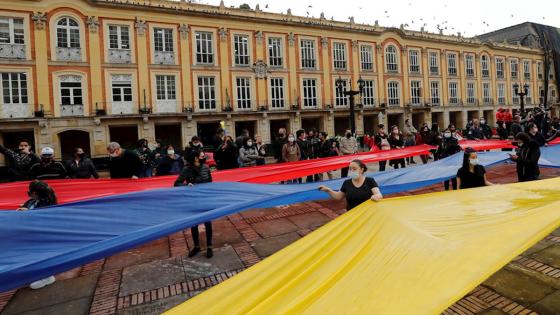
350, 93
521, 96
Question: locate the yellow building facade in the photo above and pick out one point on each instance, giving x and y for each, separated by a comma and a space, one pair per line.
87, 72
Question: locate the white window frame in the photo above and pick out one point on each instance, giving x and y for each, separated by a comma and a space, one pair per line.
471, 93
435, 94
433, 58
368, 93
206, 87
414, 61
243, 99
540, 70
339, 99
391, 59
452, 64
469, 65
19, 85
527, 69
241, 50
393, 93
310, 95
163, 39
118, 37
275, 52
11, 39
339, 56
277, 93
204, 48
514, 97
415, 92
485, 66
453, 92
514, 68
366, 58
166, 87
500, 73
308, 58
486, 93
501, 93
69, 33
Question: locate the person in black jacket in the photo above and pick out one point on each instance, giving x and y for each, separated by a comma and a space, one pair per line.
124, 163
48, 168
527, 158
19, 161
396, 141
80, 166
304, 149
533, 131
226, 155
449, 146
170, 164
279, 143
197, 172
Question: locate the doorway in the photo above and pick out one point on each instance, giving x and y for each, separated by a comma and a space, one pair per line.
126, 136
170, 135
71, 139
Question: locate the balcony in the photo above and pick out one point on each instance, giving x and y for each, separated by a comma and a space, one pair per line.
485, 73
12, 51
369, 102
514, 75
501, 100
452, 72
414, 69
164, 57
470, 73
120, 56
166, 106
415, 101
488, 101
454, 101
69, 110
8, 111
434, 71
435, 101
527, 76
68, 53
471, 101
500, 74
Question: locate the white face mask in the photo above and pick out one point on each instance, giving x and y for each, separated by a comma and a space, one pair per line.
447, 135
473, 161
291, 139
170, 152
354, 174
249, 143
114, 154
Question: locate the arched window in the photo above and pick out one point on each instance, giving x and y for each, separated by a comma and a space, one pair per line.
67, 33
391, 59
484, 66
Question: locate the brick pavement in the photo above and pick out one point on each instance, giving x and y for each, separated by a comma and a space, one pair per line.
157, 276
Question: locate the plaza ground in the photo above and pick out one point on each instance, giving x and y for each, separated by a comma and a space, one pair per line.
157, 276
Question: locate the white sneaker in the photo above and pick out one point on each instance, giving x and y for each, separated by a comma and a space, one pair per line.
42, 283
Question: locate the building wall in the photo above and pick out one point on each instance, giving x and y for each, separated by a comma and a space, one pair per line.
95, 68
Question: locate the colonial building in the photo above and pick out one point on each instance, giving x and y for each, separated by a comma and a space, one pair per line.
87, 72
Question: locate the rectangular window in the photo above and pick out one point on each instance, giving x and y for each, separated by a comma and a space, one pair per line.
275, 52
469, 65
452, 64
11, 31
434, 63
415, 94
310, 93
539, 70
527, 69
163, 39
119, 37
366, 54
307, 54
71, 93
514, 96
277, 92
241, 50
471, 95
414, 61
393, 93
484, 66
453, 93
368, 94
340, 99
501, 91
339, 56
206, 93
486, 93
14, 88
500, 68
204, 49
122, 91
165, 87
513, 68
434, 93
243, 86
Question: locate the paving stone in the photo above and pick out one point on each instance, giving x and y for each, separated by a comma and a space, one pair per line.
274, 227
271, 245
75, 307
556, 232
253, 213
223, 233
538, 247
549, 256
156, 307
309, 220
548, 305
151, 275
59, 292
225, 259
518, 286
549, 281
492, 311
158, 249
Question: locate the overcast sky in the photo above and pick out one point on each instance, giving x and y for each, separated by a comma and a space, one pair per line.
470, 17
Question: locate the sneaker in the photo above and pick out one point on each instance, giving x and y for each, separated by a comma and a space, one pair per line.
194, 251
42, 283
209, 252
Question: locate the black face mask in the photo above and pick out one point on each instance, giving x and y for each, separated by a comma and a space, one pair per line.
81, 155
348, 135
202, 161
46, 160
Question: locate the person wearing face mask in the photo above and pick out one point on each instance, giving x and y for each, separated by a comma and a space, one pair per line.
80, 166
471, 174
123, 163
476, 132
194, 146
48, 168
248, 153
348, 146
147, 157
226, 155
197, 172
382, 142
449, 146
19, 161
454, 132
397, 142
527, 158
486, 130
291, 152
279, 143
170, 164
261, 148
536, 135
356, 190
421, 138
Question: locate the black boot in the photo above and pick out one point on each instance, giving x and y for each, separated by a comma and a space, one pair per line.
209, 252
194, 251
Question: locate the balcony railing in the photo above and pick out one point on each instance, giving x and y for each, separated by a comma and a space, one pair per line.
454, 101
120, 56
67, 110
164, 57
434, 71
24, 110
488, 101
68, 53
12, 51
472, 101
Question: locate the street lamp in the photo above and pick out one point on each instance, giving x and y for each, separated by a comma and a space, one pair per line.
350, 93
521, 96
